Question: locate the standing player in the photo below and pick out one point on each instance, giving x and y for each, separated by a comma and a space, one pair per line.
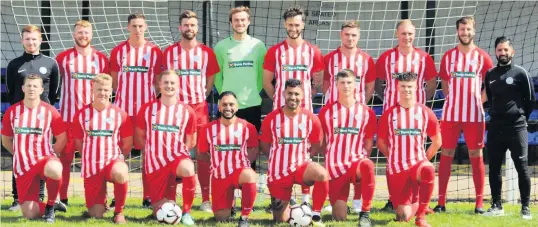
350, 56
133, 65
402, 133
288, 135
196, 65
97, 130
349, 127
240, 59
462, 71
510, 91
166, 131
402, 59
232, 143
31, 62
78, 66
293, 58
27, 129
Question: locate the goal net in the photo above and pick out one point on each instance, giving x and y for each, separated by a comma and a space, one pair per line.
436, 33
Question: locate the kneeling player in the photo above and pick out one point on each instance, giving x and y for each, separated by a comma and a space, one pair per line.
26, 133
287, 134
97, 129
402, 132
232, 143
349, 127
166, 130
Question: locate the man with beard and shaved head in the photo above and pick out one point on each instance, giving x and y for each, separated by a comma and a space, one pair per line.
293, 58
230, 143
510, 91
462, 71
78, 66
196, 66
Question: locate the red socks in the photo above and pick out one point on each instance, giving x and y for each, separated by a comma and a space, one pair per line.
445, 165
305, 190
189, 186
53, 188
248, 196
204, 178
357, 191
120, 195
366, 167
66, 159
427, 179
145, 186
478, 178
42, 207
321, 190
388, 182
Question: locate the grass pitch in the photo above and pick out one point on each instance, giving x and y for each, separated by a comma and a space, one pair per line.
460, 214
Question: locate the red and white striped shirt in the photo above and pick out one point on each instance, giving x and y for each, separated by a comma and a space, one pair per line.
166, 128
32, 130
100, 132
346, 129
77, 71
391, 63
404, 130
193, 67
299, 63
227, 145
464, 74
137, 71
359, 62
290, 139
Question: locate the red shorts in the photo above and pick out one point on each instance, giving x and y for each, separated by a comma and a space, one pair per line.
404, 186
339, 187
201, 112
282, 188
473, 132
95, 186
222, 190
162, 182
28, 184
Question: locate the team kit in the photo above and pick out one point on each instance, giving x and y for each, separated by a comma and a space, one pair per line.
160, 109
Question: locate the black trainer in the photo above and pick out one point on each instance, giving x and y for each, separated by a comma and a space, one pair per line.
526, 213
388, 207
65, 201
479, 210
146, 203
364, 219
112, 204
243, 222
15, 206
59, 206
49, 216
496, 209
439, 209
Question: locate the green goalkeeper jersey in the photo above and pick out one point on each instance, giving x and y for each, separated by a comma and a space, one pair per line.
241, 69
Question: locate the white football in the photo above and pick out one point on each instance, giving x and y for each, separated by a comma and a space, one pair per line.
169, 213
300, 215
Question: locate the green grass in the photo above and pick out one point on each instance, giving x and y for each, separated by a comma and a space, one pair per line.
460, 214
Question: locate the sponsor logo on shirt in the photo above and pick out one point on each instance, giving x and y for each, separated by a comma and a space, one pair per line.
136, 69
292, 68
238, 64
407, 131
227, 147
346, 130
164, 128
26, 130
290, 140
395, 75
463, 74
188, 72
100, 133
83, 76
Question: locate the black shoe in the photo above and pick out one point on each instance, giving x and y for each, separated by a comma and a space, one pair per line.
364, 219
15, 206
479, 210
243, 222
439, 209
496, 209
269, 209
146, 203
112, 204
526, 213
49, 216
233, 212
59, 206
65, 201
388, 207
